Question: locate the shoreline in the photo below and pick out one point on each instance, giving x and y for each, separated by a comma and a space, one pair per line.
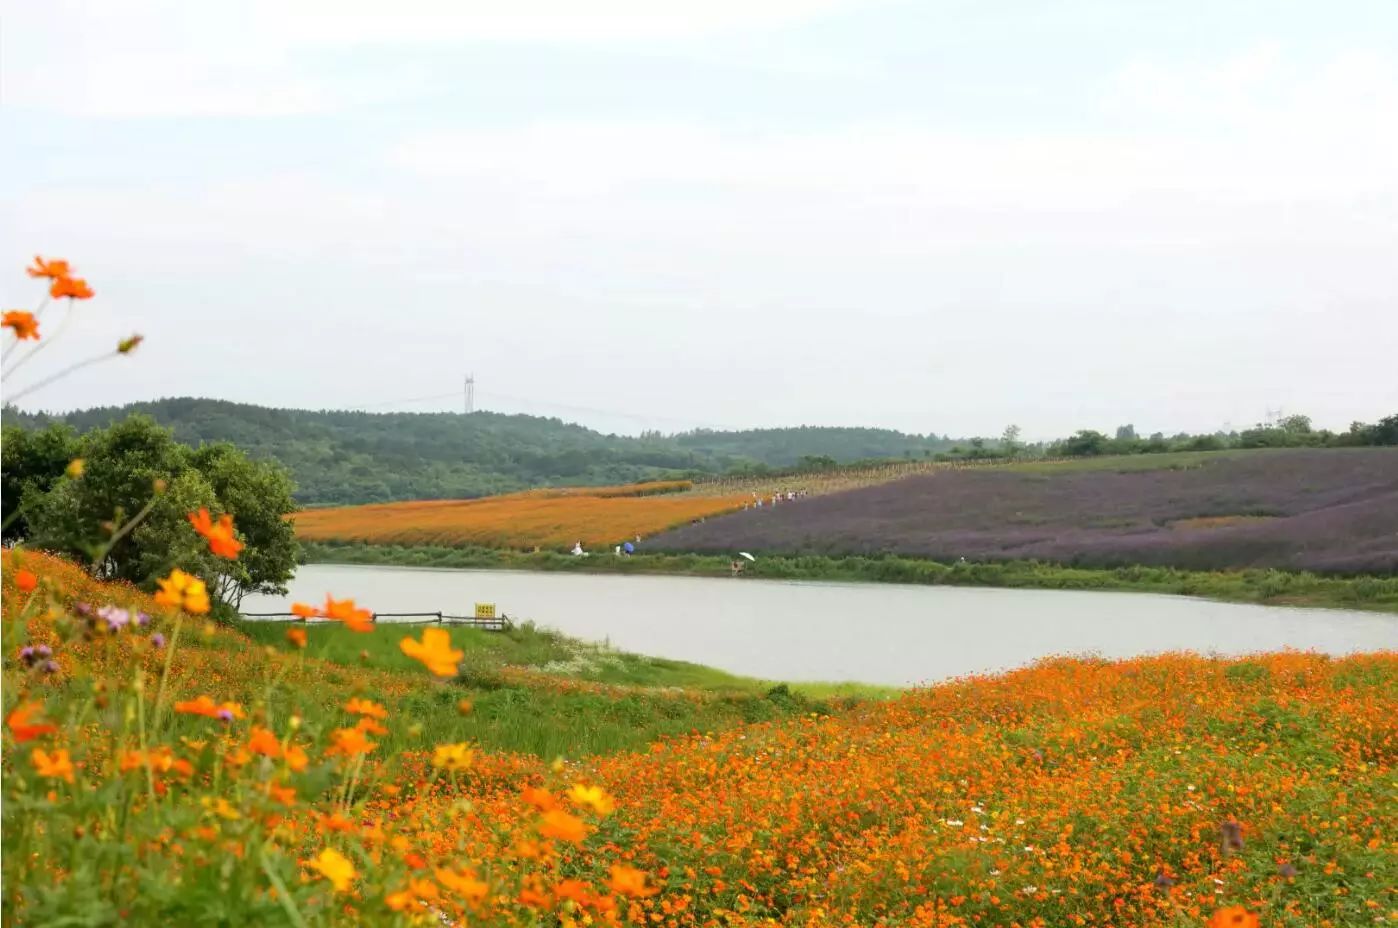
1255, 585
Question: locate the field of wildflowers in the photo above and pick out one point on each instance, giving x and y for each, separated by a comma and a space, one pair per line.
599, 517
1327, 510
158, 768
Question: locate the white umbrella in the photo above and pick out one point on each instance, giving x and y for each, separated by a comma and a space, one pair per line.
746, 555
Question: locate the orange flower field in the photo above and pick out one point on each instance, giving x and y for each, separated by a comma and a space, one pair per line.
160, 769
599, 517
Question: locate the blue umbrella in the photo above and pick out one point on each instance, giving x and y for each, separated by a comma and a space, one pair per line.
628, 547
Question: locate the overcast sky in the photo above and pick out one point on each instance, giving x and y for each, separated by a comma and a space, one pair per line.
934, 216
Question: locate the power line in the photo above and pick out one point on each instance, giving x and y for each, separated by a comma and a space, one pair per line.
613, 413
411, 399
470, 397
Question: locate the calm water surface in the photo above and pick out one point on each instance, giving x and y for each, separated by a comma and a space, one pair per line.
872, 633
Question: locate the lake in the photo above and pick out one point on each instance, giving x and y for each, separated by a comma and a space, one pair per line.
871, 633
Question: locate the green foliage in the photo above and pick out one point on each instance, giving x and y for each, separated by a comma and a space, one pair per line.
357, 457
135, 474
654, 697
1084, 443
33, 461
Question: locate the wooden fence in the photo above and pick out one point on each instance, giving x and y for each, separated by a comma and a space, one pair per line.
494, 623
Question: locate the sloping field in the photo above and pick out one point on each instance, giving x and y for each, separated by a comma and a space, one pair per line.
268, 785
1324, 510
596, 516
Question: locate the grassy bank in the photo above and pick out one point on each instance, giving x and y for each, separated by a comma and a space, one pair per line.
539, 692
1269, 587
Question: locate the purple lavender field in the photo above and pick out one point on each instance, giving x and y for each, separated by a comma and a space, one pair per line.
1330, 510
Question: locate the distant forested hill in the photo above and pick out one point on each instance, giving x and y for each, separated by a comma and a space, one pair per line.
360, 457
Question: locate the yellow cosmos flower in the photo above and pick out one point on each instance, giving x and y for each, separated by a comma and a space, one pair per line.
453, 757
336, 868
183, 591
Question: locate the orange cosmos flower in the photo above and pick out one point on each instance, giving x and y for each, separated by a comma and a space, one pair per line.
159, 759
284, 795
57, 765
463, 883
206, 707
335, 822
54, 268
630, 882
415, 895
262, 741
559, 824
435, 651
534, 898
26, 580
74, 288
370, 726
343, 610
219, 534
336, 868
540, 799
592, 797
23, 724
297, 636
573, 890
366, 707
23, 322
1234, 916
349, 741
183, 591
295, 758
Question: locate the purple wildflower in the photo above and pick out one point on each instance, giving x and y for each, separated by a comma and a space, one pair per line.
157, 641
142, 619
225, 716
51, 667
26, 656
116, 618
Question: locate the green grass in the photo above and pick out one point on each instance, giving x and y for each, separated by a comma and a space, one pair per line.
553, 711
1263, 586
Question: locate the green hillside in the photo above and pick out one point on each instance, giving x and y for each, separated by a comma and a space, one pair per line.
359, 457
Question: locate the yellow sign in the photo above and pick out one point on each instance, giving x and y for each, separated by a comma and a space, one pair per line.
485, 610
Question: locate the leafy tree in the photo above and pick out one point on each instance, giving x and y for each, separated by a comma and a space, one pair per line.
1384, 433
1009, 440
123, 466
1125, 433
128, 513
1084, 443
32, 463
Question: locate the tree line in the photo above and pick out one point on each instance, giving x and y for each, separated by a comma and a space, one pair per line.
339, 457
120, 498
1289, 432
